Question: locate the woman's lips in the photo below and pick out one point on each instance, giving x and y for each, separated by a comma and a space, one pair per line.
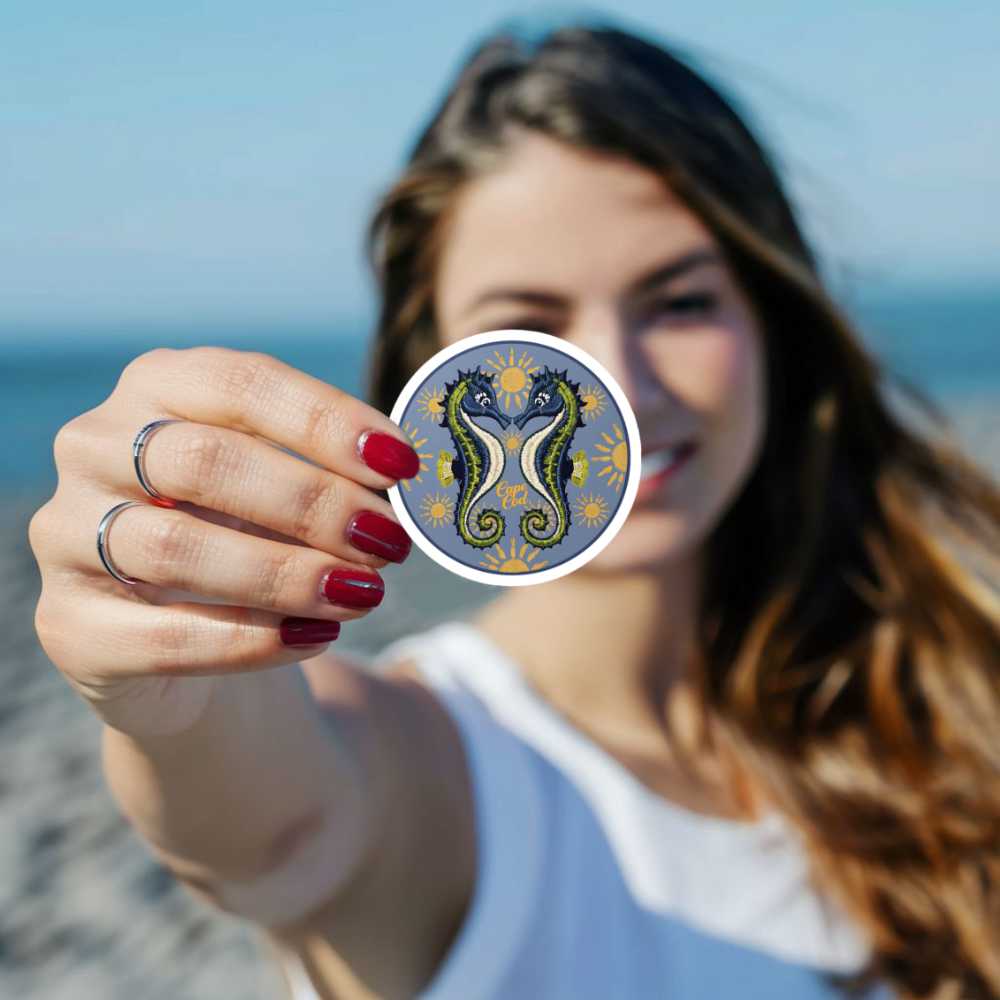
659, 467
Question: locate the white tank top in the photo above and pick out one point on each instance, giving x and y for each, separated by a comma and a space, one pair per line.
592, 887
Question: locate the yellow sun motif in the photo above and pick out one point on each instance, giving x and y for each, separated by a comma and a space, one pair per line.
512, 439
615, 458
412, 432
518, 560
430, 403
592, 510
437, 509
595, 402
511, 380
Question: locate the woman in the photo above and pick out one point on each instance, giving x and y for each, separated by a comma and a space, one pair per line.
757, 754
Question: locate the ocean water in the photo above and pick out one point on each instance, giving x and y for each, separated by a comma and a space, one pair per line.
948, 344
43, 385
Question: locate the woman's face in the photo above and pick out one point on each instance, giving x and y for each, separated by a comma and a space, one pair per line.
597, 251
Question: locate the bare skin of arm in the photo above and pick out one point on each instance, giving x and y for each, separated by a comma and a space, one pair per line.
229, 798
369, 766
384, 934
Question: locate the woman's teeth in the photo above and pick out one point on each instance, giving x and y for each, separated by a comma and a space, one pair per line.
657, 461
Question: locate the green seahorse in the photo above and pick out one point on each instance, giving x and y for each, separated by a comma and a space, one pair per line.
480, 457
544, 456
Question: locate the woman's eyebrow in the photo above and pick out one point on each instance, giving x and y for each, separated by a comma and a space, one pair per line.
674, 269
658, 275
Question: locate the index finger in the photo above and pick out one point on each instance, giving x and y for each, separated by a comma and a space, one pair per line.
261, 395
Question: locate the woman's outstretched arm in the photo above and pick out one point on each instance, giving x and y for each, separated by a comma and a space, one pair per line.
270, 802
261, 806
387, 929
329, 805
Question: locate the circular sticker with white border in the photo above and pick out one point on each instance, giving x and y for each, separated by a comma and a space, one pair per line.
529, 457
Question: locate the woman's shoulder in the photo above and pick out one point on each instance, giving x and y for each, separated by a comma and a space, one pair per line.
455, 653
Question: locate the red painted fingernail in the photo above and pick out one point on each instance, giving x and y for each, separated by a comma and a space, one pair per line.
388, 455
379, 536
353, 588
308, 631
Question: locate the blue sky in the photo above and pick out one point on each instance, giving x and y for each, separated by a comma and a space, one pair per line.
209, 164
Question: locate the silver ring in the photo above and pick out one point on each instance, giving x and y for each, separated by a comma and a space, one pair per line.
138, 447
102, 539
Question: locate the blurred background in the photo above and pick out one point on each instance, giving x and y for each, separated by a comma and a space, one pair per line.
192, 173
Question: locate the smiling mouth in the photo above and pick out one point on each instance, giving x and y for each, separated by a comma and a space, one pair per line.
657, 461
659, 468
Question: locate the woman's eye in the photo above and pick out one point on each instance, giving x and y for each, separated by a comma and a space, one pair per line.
684, 305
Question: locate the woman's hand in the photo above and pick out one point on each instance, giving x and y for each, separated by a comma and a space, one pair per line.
271, 552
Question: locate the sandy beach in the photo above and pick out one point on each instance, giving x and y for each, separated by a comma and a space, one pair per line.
87, 914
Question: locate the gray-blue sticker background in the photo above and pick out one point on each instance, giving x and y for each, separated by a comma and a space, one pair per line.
603, 492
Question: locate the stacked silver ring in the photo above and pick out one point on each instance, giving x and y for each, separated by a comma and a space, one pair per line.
102, 539
138, 447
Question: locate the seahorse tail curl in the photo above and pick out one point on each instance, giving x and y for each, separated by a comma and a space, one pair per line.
490, 524
536, 519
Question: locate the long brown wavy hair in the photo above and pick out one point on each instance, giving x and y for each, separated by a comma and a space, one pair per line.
849, 627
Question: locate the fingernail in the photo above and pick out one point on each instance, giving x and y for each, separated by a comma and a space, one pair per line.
388, 455
307, 631
377, 535
352, 588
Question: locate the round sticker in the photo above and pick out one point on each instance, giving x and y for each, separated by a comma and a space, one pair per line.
529, 457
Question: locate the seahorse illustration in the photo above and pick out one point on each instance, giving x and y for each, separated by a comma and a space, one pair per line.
544, 456
480, 455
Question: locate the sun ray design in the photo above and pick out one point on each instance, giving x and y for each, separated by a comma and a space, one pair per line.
519, 559
412, 433
437, 509
592, 509
614, 456
511, 380
595, 402
430, 403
